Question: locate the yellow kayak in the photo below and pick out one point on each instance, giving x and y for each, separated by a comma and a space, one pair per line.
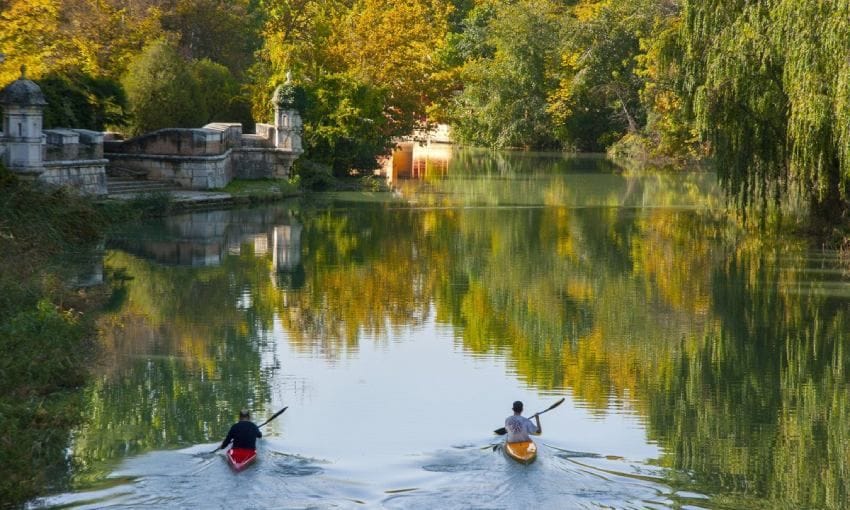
524, 452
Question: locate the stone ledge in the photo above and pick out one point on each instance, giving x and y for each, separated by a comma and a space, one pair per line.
76, 162
61, 136
166, 157
267, 149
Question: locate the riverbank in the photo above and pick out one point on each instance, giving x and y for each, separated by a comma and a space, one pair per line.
46, 331
47, 328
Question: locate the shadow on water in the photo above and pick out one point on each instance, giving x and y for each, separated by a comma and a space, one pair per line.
466, 476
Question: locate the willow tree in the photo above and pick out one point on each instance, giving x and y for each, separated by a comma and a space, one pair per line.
769, 89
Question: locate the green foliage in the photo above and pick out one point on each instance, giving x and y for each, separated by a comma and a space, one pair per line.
7, 178
597, 100
41, 219
574, 75
43, 340
150, 205
222, 31
287, 96
166, 90
219, 97
261, 188
374, 183
314, 176
669, 132
161, 90
79, 100
344, 123
768, 87
508, 75
38, 344
369, 69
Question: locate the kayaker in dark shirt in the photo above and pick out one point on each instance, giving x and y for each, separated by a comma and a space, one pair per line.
243, 433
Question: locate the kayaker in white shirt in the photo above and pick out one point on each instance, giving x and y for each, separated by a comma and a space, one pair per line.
519, 427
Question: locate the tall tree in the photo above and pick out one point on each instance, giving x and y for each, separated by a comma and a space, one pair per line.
300, 36
511, 56
369, 66
105, 35
162, 91
227, 32
219, 97
668, 131
393, 45
80, 100
97, 37
30, 36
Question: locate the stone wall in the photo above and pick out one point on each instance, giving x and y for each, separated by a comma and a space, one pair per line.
190, 172
205, 141
63, 144
74, 158
86, 176
252, 163
202, 158
267, 133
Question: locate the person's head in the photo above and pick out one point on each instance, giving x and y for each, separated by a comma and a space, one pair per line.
517, 407
244, 414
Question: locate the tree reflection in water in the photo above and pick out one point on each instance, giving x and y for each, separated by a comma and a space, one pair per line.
613, 286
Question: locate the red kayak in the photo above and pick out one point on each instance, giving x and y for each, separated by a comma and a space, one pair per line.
240, 458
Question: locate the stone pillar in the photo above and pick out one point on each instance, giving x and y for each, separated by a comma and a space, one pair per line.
23, 107
287, 121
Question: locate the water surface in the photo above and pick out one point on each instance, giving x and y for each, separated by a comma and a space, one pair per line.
703, 367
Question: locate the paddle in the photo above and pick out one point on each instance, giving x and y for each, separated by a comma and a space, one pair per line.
502, 431
275, 415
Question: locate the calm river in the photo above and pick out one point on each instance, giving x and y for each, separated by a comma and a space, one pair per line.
702, 367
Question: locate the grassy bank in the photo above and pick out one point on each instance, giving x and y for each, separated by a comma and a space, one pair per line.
45, 332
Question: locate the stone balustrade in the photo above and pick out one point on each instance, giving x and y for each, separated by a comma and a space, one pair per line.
202, 158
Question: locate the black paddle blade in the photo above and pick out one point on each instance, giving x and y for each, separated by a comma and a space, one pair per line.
501, 432
275, 415
553, 406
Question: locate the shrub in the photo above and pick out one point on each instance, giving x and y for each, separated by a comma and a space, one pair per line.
314, 176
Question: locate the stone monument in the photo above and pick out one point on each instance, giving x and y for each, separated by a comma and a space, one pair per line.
23, 106
60, 157
287, 121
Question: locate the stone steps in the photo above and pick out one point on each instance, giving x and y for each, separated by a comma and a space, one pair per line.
124, 186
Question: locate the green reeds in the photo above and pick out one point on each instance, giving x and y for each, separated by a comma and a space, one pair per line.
44, 338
